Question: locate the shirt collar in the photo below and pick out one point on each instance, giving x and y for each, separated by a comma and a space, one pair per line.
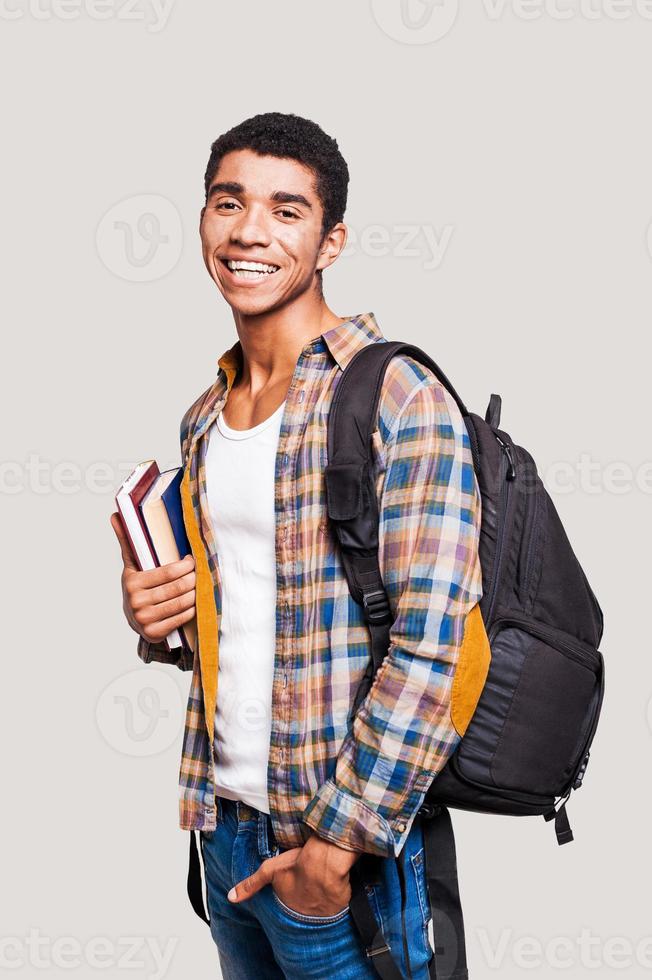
343, 341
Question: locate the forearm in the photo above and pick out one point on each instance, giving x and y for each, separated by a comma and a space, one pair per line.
402, 735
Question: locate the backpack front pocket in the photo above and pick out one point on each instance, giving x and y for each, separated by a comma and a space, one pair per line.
537, 714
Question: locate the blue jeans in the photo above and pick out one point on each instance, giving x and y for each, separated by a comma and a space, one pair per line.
262, 939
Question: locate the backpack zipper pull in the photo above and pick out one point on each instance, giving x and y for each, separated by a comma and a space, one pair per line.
511, 469
580, 775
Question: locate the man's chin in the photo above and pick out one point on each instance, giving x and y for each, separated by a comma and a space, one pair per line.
250, 305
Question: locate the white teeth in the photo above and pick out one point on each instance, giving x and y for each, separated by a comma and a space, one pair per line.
248, 274
237, 266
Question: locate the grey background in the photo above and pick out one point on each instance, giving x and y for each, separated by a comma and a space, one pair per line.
519, 138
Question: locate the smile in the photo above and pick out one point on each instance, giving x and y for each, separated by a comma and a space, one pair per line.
249, 271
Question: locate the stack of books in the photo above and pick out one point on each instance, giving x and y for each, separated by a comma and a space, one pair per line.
149, 505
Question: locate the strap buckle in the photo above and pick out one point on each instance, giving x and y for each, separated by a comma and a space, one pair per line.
429, 810
376, 950
376, 607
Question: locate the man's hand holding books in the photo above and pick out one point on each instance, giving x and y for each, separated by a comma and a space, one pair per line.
158, 578
160, 599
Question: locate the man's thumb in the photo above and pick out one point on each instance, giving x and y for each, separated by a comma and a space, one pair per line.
125, 547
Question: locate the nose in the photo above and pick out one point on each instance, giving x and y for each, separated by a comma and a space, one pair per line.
250, 229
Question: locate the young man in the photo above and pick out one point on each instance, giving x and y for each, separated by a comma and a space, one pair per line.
286, 785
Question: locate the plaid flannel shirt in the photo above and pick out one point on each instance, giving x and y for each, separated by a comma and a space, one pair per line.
356, 781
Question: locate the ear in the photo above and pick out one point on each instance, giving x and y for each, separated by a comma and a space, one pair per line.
333, 244
201, 217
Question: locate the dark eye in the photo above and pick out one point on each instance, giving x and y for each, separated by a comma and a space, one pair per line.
226, 204
287, 213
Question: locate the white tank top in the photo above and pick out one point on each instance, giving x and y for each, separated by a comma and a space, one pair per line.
240, 492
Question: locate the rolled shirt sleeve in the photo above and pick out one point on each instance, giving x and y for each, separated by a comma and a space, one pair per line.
402, 734
158, 652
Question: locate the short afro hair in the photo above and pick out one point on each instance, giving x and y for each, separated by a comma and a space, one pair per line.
286, 135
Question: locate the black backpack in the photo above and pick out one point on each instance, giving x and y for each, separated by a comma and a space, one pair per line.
526, 746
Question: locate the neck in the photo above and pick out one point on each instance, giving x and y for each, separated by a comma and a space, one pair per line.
271, 342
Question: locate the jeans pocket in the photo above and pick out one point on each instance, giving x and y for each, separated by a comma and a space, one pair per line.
309, 920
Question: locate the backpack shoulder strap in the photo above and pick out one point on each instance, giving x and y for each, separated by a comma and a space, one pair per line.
353, 513
358, 393
350, 491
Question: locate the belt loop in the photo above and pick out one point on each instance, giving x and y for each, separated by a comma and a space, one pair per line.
263, 843
267, 844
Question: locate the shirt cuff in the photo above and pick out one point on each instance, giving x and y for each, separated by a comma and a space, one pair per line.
159, 653
350, 823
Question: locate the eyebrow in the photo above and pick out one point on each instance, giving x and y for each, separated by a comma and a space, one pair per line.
280, 197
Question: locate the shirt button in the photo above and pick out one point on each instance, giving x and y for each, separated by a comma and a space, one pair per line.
401, 827
301, 395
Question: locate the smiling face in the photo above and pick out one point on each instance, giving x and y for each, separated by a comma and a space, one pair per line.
261, 231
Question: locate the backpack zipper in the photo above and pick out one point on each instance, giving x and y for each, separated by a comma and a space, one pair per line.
591, 662
531, 541
508, 478
507, 449
539, 801
578, 774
